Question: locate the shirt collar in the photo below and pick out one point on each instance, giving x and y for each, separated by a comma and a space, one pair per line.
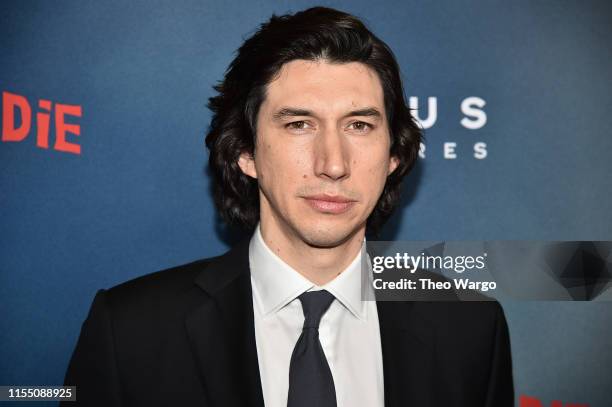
277, 284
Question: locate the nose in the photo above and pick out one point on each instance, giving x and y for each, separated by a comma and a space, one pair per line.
332, 155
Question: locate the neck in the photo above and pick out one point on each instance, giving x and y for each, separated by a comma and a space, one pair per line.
319, 265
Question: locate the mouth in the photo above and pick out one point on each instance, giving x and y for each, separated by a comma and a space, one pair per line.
333, 204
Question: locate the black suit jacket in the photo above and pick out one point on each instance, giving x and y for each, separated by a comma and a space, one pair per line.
185, 337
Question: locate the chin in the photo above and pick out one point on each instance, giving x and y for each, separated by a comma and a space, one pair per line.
328, 235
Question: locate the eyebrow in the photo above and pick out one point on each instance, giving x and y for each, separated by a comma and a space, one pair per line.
287, 112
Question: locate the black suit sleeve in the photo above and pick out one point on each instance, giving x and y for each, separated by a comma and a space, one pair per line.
500, 390
93, 367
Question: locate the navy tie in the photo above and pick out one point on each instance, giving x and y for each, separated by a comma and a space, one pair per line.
310, 379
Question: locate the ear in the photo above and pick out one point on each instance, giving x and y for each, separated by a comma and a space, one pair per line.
393, 164
246, 162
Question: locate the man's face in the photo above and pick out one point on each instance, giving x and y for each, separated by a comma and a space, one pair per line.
322, 151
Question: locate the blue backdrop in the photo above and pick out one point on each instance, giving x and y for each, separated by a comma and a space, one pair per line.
137, 199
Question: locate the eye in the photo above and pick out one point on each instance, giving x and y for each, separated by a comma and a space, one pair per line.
360, 127
298, 126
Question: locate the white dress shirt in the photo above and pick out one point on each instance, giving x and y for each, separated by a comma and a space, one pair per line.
349, 331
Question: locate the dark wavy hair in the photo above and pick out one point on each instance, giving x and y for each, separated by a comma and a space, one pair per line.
317, 33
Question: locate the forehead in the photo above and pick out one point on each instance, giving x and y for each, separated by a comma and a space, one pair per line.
325, 86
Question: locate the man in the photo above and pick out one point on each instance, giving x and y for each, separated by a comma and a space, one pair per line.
309, 142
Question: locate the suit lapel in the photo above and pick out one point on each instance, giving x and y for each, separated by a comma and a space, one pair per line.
408, 354
222, 333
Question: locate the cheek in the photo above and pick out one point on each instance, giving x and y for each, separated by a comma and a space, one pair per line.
371, 173
282, 166
373, 163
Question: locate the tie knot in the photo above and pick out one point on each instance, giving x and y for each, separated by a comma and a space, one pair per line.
314, 305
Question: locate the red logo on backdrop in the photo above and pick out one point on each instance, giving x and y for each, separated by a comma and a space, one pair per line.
12, 132
527, 401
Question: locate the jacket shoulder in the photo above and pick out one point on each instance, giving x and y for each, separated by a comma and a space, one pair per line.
461, 313
466, 316
155, 292
166, 279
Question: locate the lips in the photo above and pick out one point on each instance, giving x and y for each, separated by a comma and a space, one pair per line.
330, 204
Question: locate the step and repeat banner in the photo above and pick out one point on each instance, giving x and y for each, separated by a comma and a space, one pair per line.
103, 168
